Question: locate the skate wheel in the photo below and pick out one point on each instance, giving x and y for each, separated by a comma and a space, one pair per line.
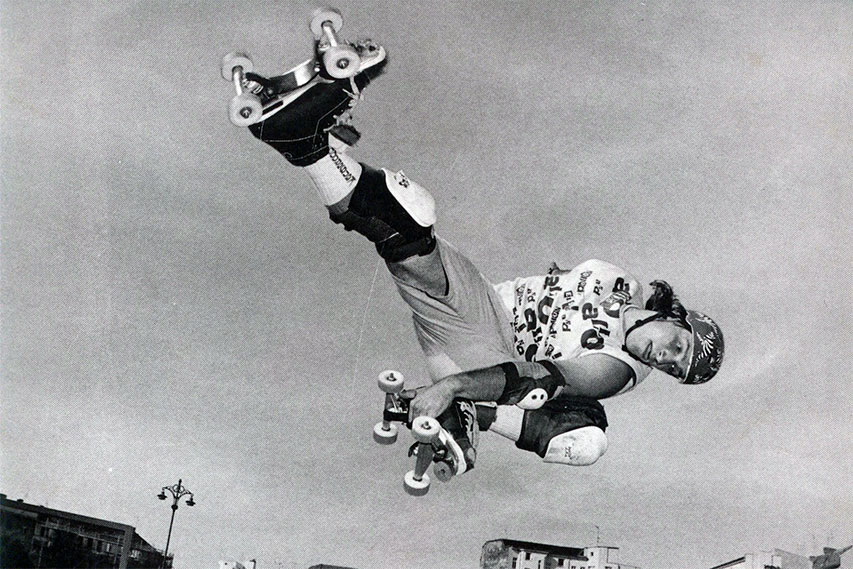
235, 59
245, 109
391, 381
416, 487
323, 15
443, 471
425, 429
341, 61
385, 436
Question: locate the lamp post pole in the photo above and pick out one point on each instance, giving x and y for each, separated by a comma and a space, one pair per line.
177, 491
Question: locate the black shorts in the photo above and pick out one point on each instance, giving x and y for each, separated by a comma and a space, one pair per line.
559, 415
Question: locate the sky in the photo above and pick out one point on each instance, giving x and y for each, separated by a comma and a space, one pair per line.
176, 305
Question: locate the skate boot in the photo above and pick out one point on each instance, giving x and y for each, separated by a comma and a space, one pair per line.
298, 122
459, 438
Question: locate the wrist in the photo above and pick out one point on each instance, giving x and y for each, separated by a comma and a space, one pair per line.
454, 384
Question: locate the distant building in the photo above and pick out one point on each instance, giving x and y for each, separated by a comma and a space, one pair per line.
34, 536
776, 559
515, 554
324, 566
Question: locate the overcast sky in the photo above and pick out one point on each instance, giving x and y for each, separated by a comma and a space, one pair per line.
175, 303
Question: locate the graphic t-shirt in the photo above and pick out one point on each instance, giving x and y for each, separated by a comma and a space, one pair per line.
574, 314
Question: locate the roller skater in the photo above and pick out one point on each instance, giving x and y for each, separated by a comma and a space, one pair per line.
536, 353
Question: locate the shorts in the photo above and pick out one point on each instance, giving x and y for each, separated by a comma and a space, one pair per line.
467, 329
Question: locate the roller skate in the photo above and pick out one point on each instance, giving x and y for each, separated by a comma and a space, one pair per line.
449, 442
296, 112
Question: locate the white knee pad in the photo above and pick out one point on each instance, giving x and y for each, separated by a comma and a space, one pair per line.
414, 198
580, 447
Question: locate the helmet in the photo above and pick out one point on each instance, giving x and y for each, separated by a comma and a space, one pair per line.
707, 348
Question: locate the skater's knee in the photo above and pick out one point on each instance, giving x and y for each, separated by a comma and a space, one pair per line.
393, 212
580, 447
566, 431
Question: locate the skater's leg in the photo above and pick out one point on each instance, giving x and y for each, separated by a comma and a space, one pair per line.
460, 321
425, 272
312, 131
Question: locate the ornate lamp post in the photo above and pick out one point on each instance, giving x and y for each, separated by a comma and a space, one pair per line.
177, 491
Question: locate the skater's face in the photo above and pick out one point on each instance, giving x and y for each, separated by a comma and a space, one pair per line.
664, 345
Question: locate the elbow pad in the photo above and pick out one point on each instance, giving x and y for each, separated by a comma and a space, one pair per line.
530, 384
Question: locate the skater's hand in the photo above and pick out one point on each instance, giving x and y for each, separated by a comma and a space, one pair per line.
433, 400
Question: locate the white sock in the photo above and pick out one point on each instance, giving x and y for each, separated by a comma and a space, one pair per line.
508, 422
334, 176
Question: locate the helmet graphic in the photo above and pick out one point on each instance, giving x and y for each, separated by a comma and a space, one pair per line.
707, 348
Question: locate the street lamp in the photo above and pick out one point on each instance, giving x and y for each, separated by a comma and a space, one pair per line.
177, 491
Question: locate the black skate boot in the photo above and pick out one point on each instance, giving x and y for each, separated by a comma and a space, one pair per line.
460, 437
298, 122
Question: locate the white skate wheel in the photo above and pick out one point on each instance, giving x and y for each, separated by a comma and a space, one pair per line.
245, 109
415, 487
391, 381
235, 59
385, 436
425, 429
442, 471
323, 15
341, 61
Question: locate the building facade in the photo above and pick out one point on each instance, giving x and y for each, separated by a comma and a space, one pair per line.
780, 559
516, 554
34, 537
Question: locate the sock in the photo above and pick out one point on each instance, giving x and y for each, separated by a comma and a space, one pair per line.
334, 176
508, 422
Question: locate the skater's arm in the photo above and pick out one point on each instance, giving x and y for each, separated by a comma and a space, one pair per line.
596, 376
485, 384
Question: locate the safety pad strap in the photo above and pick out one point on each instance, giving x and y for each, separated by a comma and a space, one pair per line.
373, 212
522, 378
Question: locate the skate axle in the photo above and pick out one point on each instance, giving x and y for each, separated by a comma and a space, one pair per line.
238, 78
422, 461
330, 33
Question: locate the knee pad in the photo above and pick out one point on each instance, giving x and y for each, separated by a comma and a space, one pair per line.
580, 447
393, 212
557, 417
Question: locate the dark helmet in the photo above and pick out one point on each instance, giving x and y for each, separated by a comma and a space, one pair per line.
707, 348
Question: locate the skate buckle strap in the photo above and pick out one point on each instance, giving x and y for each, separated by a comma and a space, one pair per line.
356, 92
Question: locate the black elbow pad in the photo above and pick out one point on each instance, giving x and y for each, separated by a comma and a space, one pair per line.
530, 384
